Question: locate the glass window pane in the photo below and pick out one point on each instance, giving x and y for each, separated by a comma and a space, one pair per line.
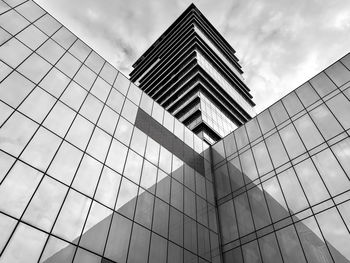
310, 179
80, 50
99, 144
307, 94
115, 100
236, 175
338, 73
13, 22
152, 151
108, 73
275, 199
149, 176
124, 131
176, 227
17, 188
292, 141
51, 51
29, 251
253, 129
133, 167
144, 209
108, 120
91, 108
108, 186
241, 137
292, 191
6, 162
65, 163
190, 235
30, 11
290, 246
71, 219
80, 132
262, 158
134, 94
95, 62
222, 181
54, 82
138, 141
139, 244
177, 195
96, 228
340, 107
101, 89
158, 249
87, 176
32, 37
175, 253
269, 249
259, 207
68, 64
57, 250
121, 84
83, 256
251, 252
116, 156
59, 119
126, 198
15, 133
34, 68
333, 176
276, 150
44, 206
74, 96
292, 104
37, 105
163, 186
118, 239
64, 37
308, 132
326, 122
312, 241
265, 121
189, 203
14, 89
13, 52
48, 24
338, 240
322, 84
244, 217
41, 149
85, 77
278, 113
248, 166
7, 225
161, 217
129, 111
342, 152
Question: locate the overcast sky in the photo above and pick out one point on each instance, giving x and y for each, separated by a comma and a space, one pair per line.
280, 43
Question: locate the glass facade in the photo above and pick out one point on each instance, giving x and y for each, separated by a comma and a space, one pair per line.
93, 170
282, 179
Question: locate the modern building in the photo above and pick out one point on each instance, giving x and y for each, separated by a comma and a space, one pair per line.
92, 169
194, 74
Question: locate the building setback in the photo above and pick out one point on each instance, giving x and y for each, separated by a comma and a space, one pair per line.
92, 169
194, 74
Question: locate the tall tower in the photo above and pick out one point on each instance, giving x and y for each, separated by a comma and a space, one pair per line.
193, 73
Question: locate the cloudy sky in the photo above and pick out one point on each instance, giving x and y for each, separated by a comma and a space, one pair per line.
280, 43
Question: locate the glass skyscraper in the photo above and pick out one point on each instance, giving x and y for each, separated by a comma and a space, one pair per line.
94, 170
194, 74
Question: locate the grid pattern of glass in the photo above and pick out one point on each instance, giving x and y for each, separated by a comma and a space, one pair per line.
79, 182
215, 118
282, 179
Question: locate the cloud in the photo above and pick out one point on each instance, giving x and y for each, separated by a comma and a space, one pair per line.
280, 43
